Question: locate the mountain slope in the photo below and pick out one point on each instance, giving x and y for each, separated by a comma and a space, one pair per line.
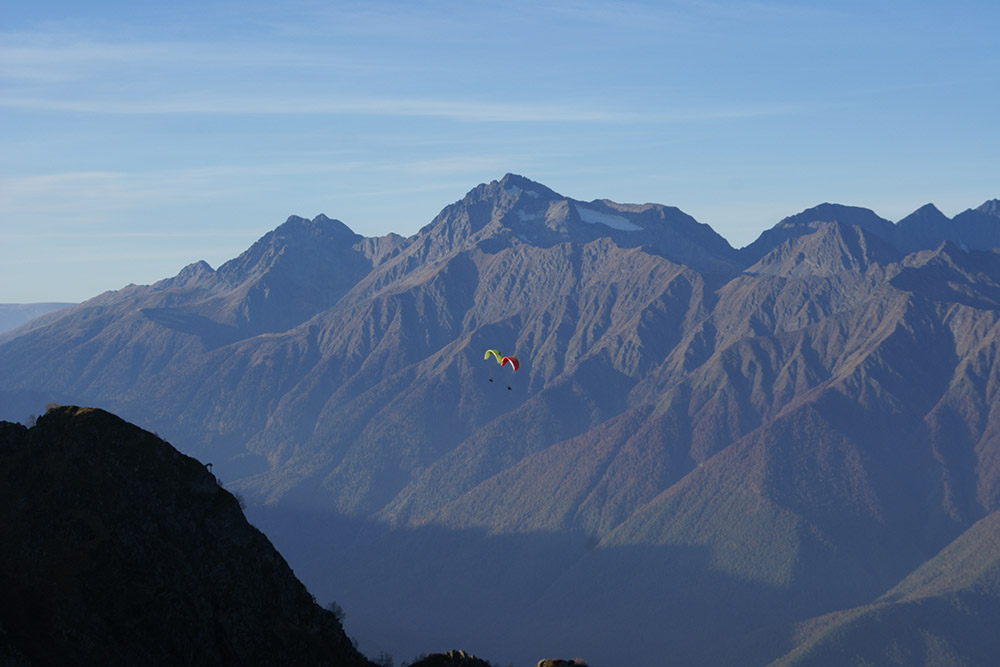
118, 549
809, 220
927, 227
944, 613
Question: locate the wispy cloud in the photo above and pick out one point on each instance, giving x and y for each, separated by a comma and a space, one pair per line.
459, 110
73, 201
679, 17
67, 202
57, 57
92, 235
449, 109
90, 191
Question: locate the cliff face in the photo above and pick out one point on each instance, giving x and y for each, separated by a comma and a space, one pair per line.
117, 549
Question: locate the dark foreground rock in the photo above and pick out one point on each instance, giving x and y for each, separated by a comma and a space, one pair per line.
451, 659
119, 550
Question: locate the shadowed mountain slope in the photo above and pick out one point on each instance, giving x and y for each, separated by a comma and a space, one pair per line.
942, 614
119, 550
927, 227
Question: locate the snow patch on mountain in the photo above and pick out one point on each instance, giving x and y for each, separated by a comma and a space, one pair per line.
591, 216
513, 191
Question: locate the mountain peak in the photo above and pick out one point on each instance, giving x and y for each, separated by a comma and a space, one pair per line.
292, 272
320, 226
195, 270
991, 207
515, 209
851, 215
510, 188
812, 219
297, 235
927, 211
515, 182
924, 229
189, 276
834, 247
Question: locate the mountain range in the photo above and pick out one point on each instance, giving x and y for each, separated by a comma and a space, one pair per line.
775, 453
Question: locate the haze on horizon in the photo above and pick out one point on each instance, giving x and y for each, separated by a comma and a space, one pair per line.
138, 138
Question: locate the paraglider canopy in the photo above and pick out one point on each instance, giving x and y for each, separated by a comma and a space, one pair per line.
496, 355
512, 361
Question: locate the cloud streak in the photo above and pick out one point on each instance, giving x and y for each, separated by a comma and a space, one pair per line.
55, 57
448, 109
71, 203
458, 110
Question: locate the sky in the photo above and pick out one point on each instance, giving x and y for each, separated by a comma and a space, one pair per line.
139, 137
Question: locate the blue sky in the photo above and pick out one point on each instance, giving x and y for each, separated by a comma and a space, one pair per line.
137, 137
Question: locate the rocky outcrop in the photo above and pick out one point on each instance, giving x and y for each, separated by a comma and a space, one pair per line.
450, 659
119, 550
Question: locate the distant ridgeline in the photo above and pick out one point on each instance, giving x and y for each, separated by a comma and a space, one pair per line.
708, 455
13, 315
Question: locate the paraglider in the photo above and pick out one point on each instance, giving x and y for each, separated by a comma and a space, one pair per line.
503, 361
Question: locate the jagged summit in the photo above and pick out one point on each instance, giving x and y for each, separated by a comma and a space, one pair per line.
833, 248
827, 212
191, 275
516, 210
811, 219
197, 268
926, 212
514, 197
923, 229
514, 184
850, 215
991, 207
296, 240
321, 225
